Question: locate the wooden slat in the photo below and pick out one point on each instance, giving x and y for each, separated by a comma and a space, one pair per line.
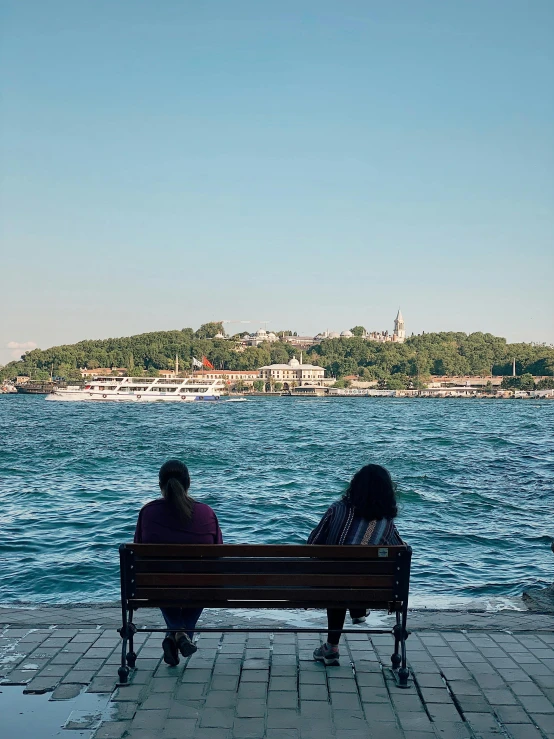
265, 550
186, 580
257, 565
206, 595
384, 605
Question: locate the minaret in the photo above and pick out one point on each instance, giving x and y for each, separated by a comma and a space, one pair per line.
399, 333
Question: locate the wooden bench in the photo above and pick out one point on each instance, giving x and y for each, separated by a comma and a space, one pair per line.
265, 576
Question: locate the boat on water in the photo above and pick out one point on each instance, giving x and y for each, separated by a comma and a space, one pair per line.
36, 388
143, 390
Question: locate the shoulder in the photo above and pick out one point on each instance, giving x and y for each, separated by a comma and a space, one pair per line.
153, 507
204, 510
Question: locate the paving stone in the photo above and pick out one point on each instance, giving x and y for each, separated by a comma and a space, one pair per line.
83, 720
175, 728
251, 690
282, 718
101, 685
151, 720
221, 699
41, 685
473, 704
349, 701
112, 730
314, 692
252, 708
191, 691
185, 710
282, 699
312, 678
190, 675
217, 718
248, 728
371, 679
282, 734
122, 711
511, 715
347, 719
414, 722
157, 701
500, 697
129, 693
523, 731
527, 688
284, 682
536, 704
342, 685
65, 692
203, 733
225, 682
315, 709
443, 712
450, 730
544, 721
481, 722
430, 681
379, 712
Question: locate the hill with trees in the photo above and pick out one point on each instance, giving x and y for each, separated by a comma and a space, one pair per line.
392, 364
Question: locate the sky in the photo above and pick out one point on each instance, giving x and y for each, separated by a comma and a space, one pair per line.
310, 164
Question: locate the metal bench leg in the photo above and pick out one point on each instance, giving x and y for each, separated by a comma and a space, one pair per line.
131, 656
397, 631
403, 672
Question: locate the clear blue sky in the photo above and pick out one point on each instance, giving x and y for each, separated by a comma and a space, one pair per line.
314, 164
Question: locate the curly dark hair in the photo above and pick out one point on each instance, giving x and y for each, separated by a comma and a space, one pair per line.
372, 493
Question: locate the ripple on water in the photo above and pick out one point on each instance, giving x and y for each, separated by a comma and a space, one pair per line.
475, 480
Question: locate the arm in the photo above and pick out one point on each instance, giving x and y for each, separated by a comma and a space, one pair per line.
218, 535
138, 530
319, 534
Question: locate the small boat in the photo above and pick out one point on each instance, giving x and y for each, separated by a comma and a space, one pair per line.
143, 390
36, 388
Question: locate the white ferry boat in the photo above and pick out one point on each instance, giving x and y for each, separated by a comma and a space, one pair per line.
144, 390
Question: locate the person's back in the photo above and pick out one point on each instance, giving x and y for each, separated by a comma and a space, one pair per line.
176, 518
363, 516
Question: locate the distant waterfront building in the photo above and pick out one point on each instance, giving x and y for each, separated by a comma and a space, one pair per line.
259, 337
398, 335
230, 376
294, 372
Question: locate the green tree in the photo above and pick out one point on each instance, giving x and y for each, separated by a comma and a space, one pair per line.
278, 386
358, 330
258, 385
209, 330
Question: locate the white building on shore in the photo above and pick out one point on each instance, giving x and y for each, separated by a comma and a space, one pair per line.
294, 374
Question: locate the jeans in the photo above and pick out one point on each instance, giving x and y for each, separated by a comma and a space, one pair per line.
181, 619
335, 622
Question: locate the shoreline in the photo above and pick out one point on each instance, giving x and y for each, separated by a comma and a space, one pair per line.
108, 615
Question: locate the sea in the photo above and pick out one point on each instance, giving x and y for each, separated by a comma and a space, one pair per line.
475, 484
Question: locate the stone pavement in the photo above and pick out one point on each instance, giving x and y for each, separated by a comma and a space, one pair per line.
481, 682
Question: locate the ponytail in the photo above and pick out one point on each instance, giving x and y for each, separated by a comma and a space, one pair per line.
174, 484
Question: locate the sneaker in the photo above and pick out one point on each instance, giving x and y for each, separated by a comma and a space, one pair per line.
169, 646
328, 654
186, 645
360, 619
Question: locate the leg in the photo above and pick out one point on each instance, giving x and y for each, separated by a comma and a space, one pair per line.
335, 623
189, 619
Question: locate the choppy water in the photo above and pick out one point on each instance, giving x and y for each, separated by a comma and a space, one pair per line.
475, 480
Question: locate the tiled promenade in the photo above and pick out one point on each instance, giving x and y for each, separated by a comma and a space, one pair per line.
472, 682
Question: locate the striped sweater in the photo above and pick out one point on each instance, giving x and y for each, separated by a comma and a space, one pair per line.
341, 525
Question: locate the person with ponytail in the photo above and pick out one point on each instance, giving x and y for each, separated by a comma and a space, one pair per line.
364, 515
176, 518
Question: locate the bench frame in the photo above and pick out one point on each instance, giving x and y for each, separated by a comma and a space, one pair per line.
141, 565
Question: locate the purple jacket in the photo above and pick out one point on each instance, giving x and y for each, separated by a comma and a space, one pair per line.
158, 524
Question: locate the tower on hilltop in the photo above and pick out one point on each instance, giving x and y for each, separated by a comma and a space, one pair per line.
399, 333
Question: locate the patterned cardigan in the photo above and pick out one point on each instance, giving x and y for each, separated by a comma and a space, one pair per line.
341, 525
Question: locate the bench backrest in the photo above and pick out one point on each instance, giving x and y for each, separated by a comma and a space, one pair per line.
264, 575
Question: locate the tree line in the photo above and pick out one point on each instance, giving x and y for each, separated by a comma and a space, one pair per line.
394, 365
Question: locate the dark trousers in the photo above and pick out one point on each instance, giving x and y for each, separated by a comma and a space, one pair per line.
181, 619
335, 621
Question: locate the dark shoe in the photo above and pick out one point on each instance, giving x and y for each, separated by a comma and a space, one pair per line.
328, 654
186, 645
360, 619
171, 655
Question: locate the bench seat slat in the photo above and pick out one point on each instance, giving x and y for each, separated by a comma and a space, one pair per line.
384, 605
212, 551
259, 566
282, 579
278, 594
